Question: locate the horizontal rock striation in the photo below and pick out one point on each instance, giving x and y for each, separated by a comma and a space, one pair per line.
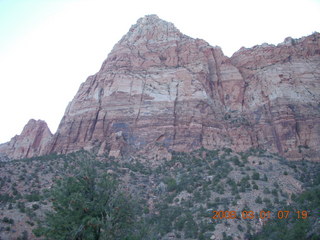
33, 141
282, 95
160, 90
156, 86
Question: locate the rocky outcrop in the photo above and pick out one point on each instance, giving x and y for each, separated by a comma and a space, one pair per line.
282, 95
157, 86
33, 141
160, 90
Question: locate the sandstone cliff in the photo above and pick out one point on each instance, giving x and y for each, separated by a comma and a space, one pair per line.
156, 86
33, 141
282, 95
160, 90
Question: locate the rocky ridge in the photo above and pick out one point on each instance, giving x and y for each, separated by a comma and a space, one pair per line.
160, 90
32, 141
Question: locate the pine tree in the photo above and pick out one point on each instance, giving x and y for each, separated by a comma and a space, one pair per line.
88, 206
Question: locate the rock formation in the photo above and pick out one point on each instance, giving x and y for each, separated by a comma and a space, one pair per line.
157, 86
33, 141
282, 95
160, 90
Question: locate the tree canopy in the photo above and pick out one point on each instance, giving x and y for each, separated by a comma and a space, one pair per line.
88, 206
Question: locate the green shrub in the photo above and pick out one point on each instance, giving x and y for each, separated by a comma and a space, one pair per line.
274, 192
8, 220
24, 236
88, 206
240, 228
35, 206
191, 228
265, 178
258, 200
266, 191
33, 197
255, 176
171, 184
22, 207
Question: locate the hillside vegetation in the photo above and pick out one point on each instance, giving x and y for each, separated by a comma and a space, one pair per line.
176, 199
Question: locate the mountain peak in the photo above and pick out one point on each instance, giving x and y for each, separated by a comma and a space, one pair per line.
161, 91
151, 28
32, 141
150, 18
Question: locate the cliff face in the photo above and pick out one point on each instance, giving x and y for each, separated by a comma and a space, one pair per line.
282, 95
160, 86
160, 90
156, 86
33, 141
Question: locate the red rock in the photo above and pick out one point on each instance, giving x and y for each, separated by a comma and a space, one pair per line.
158, 86
160, 90
31, 142
282, 95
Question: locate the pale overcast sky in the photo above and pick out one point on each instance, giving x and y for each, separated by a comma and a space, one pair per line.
49, 47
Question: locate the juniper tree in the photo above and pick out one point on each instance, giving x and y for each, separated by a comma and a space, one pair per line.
88, 206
